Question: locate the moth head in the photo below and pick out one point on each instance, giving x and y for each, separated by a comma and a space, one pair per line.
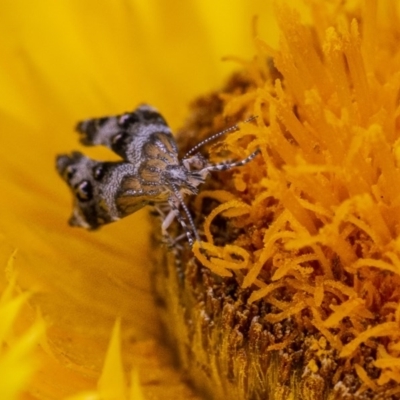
196, 162
81, 175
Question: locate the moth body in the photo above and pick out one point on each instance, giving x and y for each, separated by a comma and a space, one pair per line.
149, 173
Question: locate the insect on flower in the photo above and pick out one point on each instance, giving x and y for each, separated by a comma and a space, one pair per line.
150, 172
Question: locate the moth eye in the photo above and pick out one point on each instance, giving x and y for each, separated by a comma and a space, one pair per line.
128, 119
98, 172
69, 172
84, 191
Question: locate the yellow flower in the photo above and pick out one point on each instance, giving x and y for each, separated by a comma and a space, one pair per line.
310, 277
308, 301
61, 62
17, 363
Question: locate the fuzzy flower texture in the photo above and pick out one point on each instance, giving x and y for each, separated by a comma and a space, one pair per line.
320, 210
316, 217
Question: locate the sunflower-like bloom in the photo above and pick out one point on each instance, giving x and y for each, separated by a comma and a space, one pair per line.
294, 292
303, 242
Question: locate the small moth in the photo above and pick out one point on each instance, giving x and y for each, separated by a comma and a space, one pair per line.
150, 172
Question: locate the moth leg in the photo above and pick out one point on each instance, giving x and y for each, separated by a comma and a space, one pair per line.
185, 227
175, 213
167, 220
160, 212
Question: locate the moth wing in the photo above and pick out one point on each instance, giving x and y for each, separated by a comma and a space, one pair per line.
97, 187
128, 133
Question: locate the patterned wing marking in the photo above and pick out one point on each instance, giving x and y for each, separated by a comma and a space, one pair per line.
103, 192
128, 133
133, 195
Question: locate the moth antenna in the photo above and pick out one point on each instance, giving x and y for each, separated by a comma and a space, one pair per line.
228, 165
189, 217
217, 135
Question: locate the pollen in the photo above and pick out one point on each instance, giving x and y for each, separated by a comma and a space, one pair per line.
301, 250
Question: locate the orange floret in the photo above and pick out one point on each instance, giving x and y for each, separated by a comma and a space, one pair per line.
324, 196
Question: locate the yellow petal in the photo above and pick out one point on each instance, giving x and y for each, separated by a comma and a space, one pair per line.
63, 62
135, 392
17, 360
112, 383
